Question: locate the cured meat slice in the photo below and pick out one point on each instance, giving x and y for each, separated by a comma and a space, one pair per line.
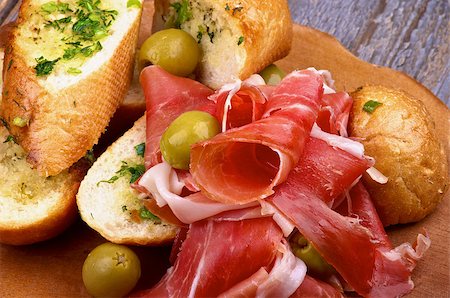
324, 172
393, 267
356, 246
244, 164
164, 186
284, 278
235, 109
248, 287
312, 287
334, 113
167, 96
217, 255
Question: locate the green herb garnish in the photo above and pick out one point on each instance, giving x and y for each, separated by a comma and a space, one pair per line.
227, 7
371, 105
52, 6
89, 156
240, 40
44, 66
73, 71
136, 3
10, 138
90, 50
201, 31
183, 12
88, 23
59, 24
124, 208
211, 36
140, 149
135, 171
145, 214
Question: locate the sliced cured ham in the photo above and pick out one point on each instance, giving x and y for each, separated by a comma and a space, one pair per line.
334, 113
243, 164
217, 255
393, 266
312, 287
286, 275
168, 96
162, 183
355, 245
236, 108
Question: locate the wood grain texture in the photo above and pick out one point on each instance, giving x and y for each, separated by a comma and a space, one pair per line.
410, 36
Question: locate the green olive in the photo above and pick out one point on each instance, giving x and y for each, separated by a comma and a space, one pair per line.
189, 128
272, 75
303, 249
173, 49
111, 270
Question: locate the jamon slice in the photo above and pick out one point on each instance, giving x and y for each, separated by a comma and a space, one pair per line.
334, 113
243, 164
357, 247
243, 107
167, 96
312, 287
216, 255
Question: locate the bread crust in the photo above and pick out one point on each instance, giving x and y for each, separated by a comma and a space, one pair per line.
62, 126
59, 218
400, 135
267, 30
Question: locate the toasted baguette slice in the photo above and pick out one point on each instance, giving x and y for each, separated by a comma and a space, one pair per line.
133, 105
62, 114
33, 208
238, 38
111, 208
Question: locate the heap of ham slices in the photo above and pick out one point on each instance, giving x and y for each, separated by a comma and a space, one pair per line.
282, 161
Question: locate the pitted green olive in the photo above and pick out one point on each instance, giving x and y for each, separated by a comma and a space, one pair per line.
304, 250
272, 75
173, 49
111, 270
189, 128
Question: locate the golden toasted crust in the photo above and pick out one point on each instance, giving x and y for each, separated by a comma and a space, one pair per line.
62, 126
400, 135
267, 28
61, 215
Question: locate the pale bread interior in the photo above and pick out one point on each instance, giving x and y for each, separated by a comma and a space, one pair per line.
46, 46
223, 55
25, 197
106, 207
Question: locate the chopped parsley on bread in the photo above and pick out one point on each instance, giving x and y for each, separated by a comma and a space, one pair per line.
108, 203
68, 67
33, 208
237, 38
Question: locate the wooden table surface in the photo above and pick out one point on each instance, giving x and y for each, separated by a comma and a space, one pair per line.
410, 36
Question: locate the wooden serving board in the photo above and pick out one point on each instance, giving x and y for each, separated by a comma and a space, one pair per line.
53, 268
